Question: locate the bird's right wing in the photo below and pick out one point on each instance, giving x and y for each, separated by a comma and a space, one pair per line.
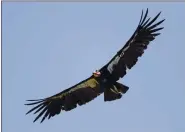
66, 100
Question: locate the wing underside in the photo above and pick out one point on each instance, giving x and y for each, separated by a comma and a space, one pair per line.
127, 57
66, 100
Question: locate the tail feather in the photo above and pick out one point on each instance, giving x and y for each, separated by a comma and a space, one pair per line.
115, 92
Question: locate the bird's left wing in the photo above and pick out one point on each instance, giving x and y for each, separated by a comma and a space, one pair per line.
66, 100
127, 57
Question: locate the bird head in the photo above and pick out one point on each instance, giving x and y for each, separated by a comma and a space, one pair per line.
96, 73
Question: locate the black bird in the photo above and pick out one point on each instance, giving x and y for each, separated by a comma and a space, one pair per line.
105, 79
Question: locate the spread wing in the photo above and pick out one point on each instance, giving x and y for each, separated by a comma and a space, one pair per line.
66, 100
127, 57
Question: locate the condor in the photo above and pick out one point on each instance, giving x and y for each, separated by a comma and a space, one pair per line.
105, 79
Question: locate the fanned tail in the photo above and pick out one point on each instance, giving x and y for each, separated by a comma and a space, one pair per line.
115, 92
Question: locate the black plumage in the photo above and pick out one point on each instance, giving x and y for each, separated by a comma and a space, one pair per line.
105, 79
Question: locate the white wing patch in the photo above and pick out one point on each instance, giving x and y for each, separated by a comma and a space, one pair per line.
112, 64
110, 67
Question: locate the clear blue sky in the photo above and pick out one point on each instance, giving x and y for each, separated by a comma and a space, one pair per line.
48, 47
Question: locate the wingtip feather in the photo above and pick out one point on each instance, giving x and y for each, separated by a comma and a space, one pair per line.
144, 18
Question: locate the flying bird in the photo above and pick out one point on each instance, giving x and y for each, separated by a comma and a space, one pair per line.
104, 80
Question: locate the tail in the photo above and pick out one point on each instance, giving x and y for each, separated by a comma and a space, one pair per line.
115, 92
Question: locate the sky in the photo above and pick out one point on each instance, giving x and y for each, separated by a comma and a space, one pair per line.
48, 47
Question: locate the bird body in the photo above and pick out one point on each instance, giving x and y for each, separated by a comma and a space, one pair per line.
104, 80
